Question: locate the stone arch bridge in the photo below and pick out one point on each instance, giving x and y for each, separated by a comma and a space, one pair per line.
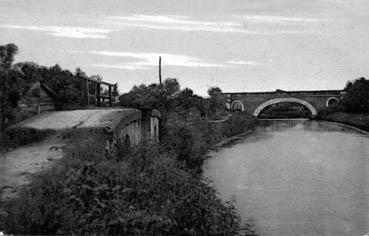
255, 102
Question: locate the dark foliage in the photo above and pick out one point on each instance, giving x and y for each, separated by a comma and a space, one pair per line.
168, 98
190, 140
9, 86
17, 79
65, 83
145, 193
356, 99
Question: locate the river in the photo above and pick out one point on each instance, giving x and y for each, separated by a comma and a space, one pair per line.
296, 178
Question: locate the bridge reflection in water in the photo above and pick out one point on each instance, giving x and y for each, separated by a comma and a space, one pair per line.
285, 111
297, 178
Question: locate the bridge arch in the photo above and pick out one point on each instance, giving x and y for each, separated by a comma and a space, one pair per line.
331, 101
280, 100
237, 106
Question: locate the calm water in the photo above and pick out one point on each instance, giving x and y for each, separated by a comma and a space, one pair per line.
297, 178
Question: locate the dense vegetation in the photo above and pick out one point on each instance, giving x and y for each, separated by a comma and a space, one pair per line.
170, 100
154, 190
17, 79
353, 108
143, 192
151, 190
356, 98
10, 85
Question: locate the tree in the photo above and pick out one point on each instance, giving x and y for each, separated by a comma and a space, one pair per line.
356, 98
9, 84
7, 53
171, 86
214, 91
216, 101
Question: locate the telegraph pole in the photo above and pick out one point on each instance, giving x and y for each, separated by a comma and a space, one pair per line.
159, 69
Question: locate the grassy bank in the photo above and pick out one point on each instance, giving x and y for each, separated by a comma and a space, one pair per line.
151, 190
360, 121
190, 141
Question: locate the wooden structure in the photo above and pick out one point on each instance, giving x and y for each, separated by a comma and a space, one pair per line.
38, 98
93, 89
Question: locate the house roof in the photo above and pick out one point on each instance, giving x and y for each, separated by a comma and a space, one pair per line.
45, 87
48, 89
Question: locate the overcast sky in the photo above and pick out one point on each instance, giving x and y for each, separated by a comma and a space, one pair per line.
238, 45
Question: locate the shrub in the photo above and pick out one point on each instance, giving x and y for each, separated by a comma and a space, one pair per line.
141, 193
190, 141
356, 98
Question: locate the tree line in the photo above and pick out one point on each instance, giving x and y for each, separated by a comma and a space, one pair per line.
169, 98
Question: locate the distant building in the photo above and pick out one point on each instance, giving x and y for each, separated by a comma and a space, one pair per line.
38, 98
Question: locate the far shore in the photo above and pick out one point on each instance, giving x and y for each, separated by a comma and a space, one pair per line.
358, 121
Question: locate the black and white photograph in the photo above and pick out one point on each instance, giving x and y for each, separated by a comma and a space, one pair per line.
184, 117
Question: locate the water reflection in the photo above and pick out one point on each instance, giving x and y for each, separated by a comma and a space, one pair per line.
297, 178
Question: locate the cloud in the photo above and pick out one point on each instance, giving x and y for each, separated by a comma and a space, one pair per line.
249, 63
145, 61
126, 66
65, 31
184, 23
279, 19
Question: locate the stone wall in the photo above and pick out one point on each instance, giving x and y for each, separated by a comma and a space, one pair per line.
251, 102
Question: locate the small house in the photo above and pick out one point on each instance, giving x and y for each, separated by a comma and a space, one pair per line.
39, 98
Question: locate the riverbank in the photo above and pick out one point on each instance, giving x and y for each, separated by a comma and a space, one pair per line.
360, 121
151, 190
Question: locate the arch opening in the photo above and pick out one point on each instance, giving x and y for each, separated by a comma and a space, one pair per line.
271, 102
237, 106
331, 102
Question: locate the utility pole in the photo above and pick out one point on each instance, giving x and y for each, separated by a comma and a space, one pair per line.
159, 69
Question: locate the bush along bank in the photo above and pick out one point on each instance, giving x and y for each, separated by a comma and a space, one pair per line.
147, 191
190, 141
360, 121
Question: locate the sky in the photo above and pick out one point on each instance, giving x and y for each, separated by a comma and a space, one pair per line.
237, 45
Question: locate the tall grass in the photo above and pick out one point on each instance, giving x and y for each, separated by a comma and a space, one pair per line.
190, 141
144, 191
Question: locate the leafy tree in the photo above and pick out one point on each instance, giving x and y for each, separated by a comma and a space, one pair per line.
171, 86
7, 53
10, 83
356, 98
169, 98
216, 101
214, 91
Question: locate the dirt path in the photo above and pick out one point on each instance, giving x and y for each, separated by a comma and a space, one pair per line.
17, 165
